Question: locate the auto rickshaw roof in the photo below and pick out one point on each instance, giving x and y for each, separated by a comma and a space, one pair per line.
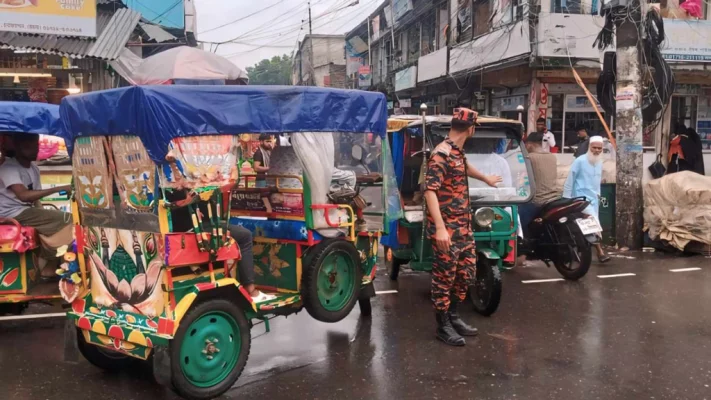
484, 121
28, 117
158, 114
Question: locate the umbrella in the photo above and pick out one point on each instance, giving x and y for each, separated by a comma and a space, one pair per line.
186, 63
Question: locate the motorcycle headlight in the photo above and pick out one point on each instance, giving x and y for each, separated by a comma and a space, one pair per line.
484, 216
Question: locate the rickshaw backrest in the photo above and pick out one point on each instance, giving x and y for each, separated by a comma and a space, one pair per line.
16, 238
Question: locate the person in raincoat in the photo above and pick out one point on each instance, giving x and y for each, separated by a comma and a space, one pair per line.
584, 179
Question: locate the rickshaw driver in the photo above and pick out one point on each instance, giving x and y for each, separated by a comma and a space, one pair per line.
20, 195
449, 226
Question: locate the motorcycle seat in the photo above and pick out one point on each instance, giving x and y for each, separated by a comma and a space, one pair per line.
562, 202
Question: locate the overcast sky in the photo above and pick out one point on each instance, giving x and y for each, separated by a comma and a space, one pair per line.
276, 25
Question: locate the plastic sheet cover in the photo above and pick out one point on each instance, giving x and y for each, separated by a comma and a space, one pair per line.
677, 208
158, 114
27, 117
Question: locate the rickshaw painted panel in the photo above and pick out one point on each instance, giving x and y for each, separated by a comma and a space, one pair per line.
135, 174
91, 174
267, 202
127, 267
208, 160
368, 248
275, 265
11, 273
121, 346
29, 117
160, 113
276, 229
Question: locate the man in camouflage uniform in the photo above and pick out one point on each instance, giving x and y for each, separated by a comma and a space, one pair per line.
449, 226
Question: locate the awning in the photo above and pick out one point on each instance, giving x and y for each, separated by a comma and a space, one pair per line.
113, 32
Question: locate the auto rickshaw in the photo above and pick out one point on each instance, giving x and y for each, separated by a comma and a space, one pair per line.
153, 291
495, 149
20, 281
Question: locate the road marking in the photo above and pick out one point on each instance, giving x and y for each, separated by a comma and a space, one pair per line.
543, 280
32, 316
685, 269
385, 291
616, 275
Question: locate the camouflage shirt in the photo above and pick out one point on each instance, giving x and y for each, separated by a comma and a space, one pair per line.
447, 176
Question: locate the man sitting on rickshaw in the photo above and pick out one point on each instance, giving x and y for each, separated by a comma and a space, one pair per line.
20, 195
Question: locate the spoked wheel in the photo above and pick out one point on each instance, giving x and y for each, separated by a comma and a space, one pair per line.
210, 349
573, 261
485, 292
331, 281
111, 361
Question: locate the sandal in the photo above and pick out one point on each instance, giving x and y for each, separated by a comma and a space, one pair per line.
604, 259
262, 297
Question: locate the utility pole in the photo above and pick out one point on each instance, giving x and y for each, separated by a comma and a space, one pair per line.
309, 18
629, 204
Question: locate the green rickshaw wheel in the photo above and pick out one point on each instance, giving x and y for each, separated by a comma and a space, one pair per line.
210, 349
331, 281
485, 291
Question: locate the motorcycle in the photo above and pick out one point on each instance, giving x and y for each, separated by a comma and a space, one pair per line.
563, 235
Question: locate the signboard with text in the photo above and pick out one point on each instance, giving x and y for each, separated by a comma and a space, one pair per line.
53, 17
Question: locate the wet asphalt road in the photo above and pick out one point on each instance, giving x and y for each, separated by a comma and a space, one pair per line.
646, 336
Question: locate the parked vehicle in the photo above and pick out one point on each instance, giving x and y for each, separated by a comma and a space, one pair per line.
562, 235
496, 148
169, 295
20, 280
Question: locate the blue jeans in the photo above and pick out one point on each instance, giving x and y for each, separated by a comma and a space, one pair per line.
527, 212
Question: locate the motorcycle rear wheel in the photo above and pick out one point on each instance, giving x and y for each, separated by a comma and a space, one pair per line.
579, 253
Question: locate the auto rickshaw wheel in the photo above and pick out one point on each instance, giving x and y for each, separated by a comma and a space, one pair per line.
210, 349
331, 280
105, 359
485, 291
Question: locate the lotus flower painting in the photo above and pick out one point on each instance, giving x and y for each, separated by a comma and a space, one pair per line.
126, 270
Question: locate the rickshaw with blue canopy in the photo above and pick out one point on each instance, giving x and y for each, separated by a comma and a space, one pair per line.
160, 280
26, 251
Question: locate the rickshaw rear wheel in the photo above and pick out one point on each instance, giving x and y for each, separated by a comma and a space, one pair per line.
331, 280
485, 292
105, 359
210, 349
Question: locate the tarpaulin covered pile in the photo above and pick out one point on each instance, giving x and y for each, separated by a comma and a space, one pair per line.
677, 209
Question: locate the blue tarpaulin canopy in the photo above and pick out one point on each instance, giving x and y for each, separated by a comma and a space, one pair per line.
158, 114
26, 117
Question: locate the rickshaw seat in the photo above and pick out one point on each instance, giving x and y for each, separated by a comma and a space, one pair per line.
276, 228
20, 238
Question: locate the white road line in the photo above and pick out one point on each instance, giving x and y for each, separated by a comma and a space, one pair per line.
543, 280
385, 291
616, 275
32, 316
685, 269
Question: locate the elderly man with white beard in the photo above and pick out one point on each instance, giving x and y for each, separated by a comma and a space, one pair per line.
584, 179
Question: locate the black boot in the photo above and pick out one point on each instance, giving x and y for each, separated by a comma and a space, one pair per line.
457, 323
445, 331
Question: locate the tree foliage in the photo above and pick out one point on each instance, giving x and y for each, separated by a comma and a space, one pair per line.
274, 71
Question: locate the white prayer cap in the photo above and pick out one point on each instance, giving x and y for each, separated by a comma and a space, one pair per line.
597, 139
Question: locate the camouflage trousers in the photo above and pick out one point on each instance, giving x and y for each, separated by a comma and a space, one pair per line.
453, 270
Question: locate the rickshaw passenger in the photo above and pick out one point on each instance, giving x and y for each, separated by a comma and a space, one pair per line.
262, 158
182, 222
20, 195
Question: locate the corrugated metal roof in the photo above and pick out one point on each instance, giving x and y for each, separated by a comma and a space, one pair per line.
156, 33
113, 31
